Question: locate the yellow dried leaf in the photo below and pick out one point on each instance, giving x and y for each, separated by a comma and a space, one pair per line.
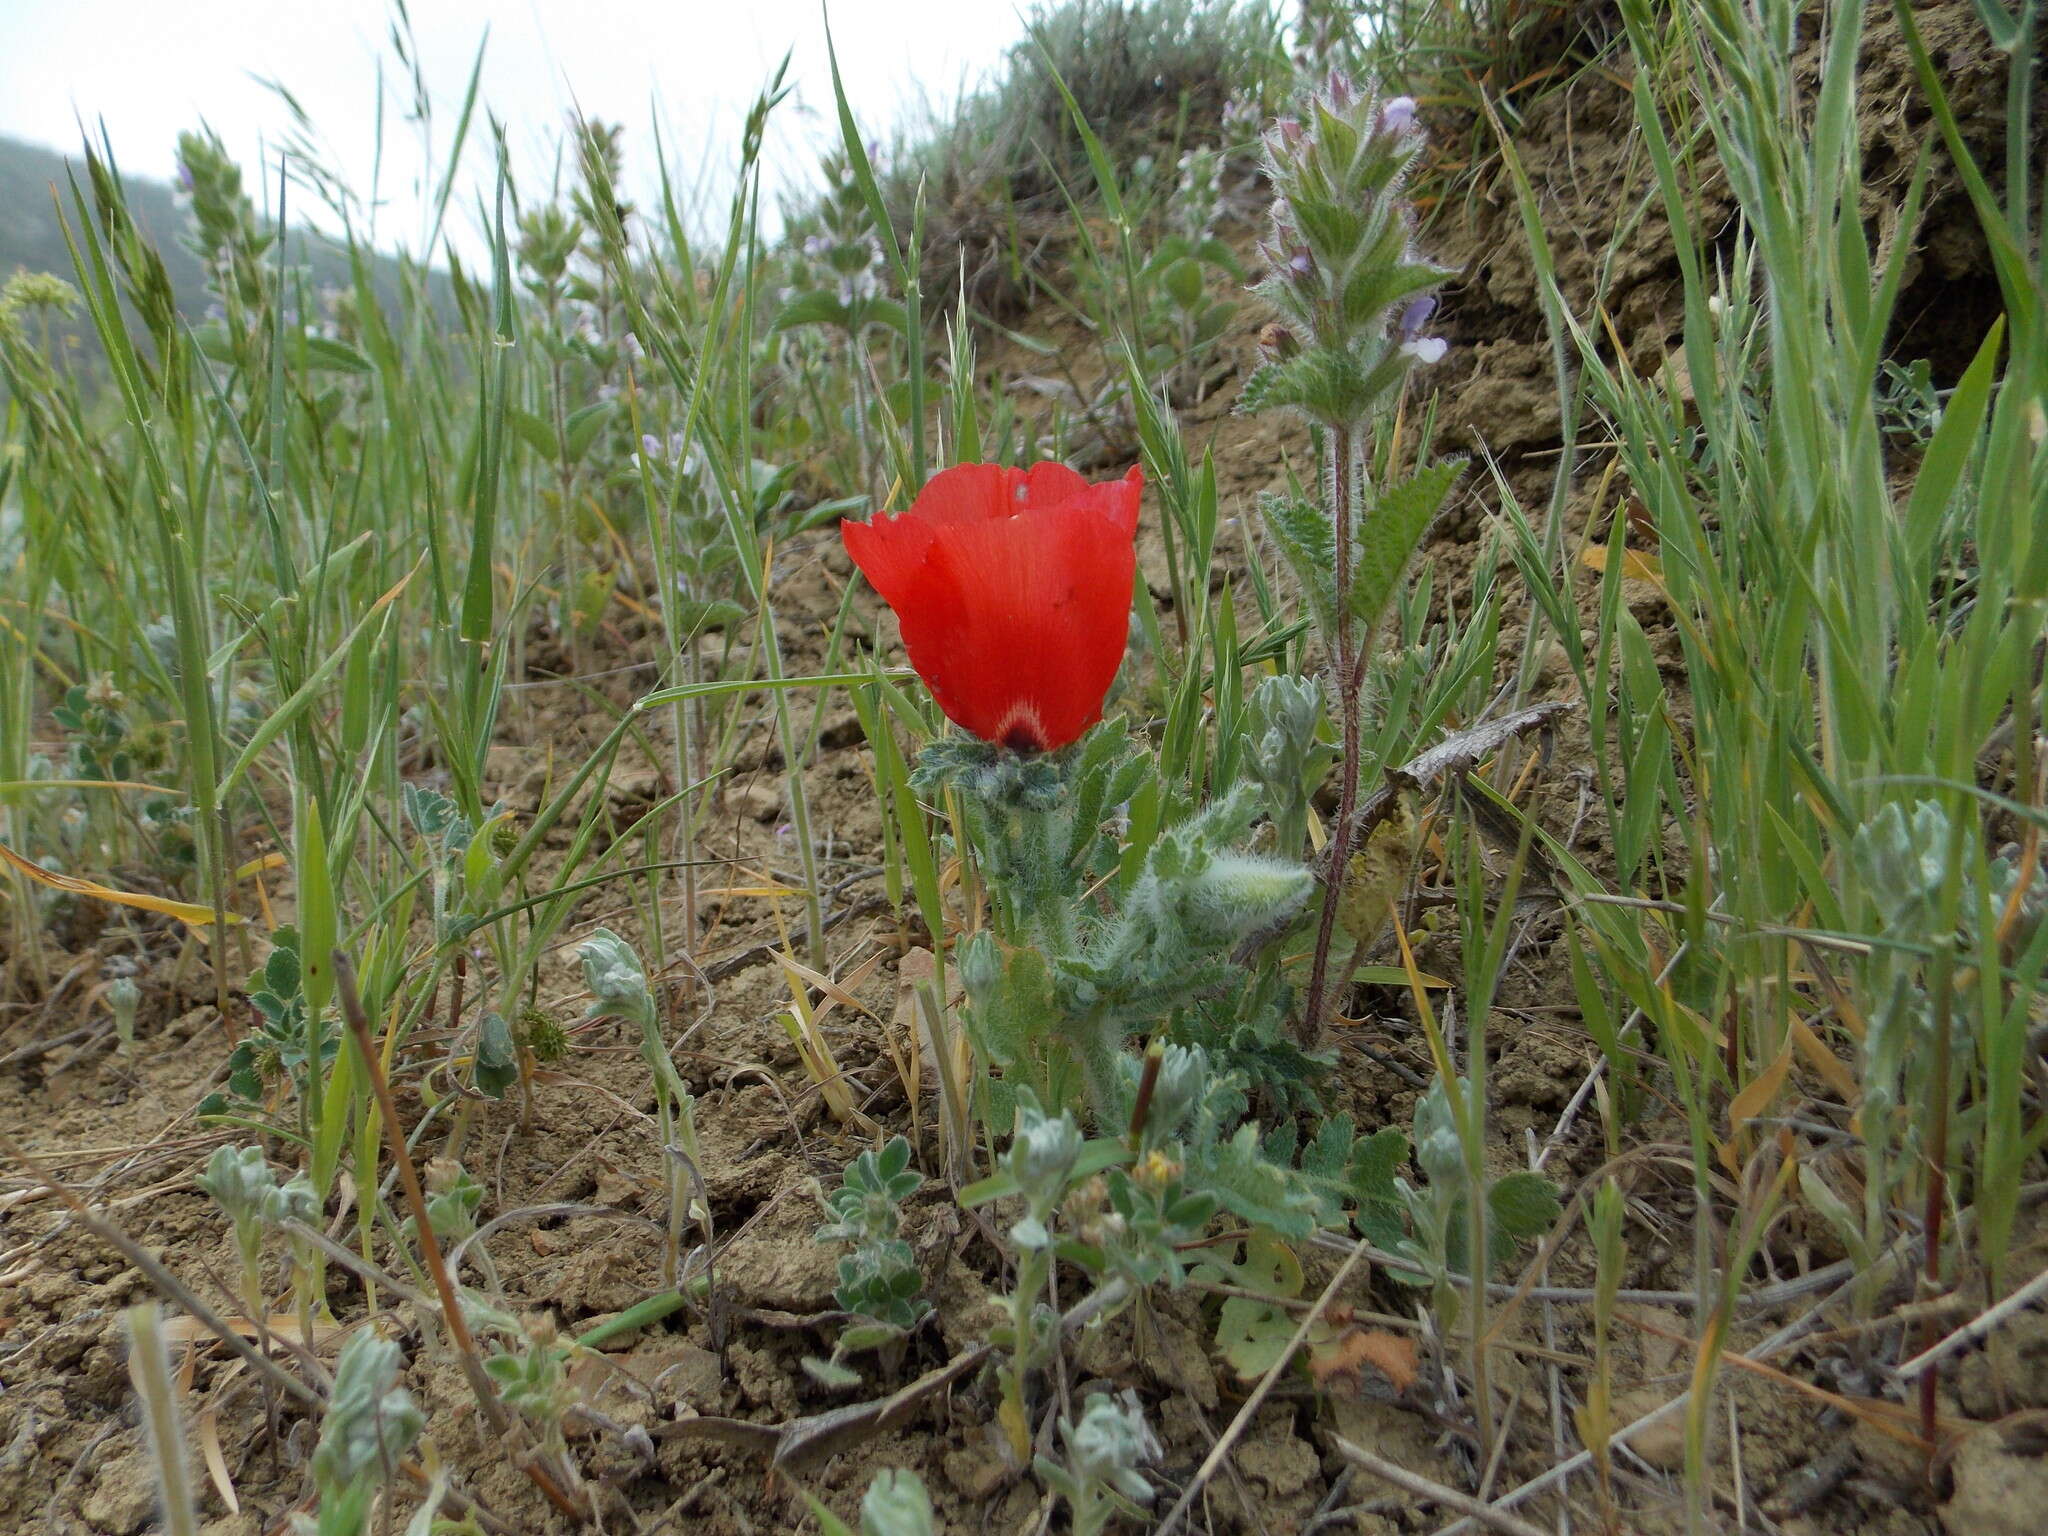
184, 911
1391, 1354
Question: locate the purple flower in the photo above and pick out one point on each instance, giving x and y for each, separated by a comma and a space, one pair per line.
658, 452
1301, 264
1398, 116
1415, 317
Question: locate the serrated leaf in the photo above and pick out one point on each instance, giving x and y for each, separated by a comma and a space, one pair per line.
1523, 1204
1388, 537
1018, 1011
692, 616
281, 973
1308, 543
1252, 1335
1254, 1189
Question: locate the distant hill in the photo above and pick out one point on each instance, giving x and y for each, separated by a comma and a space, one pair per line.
31, 238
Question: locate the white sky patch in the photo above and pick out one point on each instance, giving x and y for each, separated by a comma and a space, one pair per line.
150, 68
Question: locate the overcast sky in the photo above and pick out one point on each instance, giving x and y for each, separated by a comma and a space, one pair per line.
150, 68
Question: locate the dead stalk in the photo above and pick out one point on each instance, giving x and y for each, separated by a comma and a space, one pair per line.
530, 1460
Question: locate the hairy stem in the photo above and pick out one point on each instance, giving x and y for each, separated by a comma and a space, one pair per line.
1344, 667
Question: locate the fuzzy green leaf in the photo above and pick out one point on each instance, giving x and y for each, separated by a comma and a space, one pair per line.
1309, 545
1523, 1204
1390, 534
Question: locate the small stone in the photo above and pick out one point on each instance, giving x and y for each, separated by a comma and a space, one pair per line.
756, 801
1662, 1444
683, 1373
978, 1468
2001, 1485
776, 1261
123, 1495
1888, 1461
842, 731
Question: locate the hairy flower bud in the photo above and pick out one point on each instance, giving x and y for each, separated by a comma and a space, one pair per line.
1277, 343
613, 973
294, 1200
371, 1421
238, 1178
1183, 1075
1111, 1442
981, 967
1240, 894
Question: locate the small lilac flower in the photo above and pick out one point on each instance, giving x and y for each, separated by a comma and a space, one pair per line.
184, 176
1290, 131
1426, 349
629, 345
1398, 116
663, 451
1416, 316
1301, 264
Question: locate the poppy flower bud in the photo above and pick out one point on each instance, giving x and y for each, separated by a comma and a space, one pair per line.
1239, 894
981, 967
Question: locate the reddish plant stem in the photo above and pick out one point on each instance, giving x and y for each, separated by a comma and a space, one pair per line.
502, 1424
1344, 665
1937, 1183
1148, 1082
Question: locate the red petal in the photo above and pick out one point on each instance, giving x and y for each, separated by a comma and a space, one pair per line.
1013, 589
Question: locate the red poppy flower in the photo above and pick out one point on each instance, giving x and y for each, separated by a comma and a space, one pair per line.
1013, 588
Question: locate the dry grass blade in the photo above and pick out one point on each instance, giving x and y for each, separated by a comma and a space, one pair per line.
1423, 1488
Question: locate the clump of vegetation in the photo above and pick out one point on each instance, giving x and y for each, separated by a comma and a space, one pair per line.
449, 697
